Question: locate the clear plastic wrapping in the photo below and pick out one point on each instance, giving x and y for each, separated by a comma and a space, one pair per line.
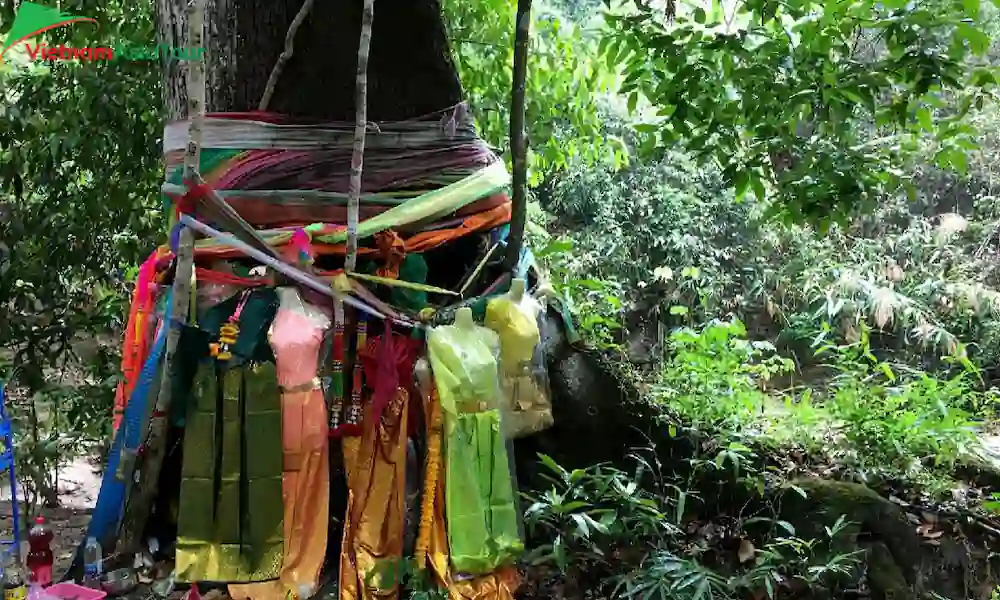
481, 508
291, 299
524, 381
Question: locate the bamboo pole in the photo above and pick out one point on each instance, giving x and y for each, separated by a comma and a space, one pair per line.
518, 141
360, 128
138, 507
226, 215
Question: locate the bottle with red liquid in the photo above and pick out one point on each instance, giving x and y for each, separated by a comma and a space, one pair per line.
40, 557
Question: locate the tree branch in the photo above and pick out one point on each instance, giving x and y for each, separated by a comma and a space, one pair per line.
360, 128
518, 141
286, 54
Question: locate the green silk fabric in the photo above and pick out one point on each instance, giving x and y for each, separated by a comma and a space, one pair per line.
480, 508
479, 498
230, 508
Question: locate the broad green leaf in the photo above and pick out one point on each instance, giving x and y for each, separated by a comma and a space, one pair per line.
924, 118
740, 182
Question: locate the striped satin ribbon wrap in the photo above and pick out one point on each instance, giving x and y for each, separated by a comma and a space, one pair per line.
422, 175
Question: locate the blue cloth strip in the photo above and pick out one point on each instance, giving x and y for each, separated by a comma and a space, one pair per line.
111, 501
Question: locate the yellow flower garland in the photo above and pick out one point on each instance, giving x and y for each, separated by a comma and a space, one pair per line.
431, 470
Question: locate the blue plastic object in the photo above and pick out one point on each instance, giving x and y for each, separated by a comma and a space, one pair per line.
7, 463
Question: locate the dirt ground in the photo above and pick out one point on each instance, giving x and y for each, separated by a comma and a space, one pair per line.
78, 489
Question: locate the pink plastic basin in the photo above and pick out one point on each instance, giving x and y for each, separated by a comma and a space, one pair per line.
72, 591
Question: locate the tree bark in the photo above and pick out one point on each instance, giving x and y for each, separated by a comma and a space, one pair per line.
518, 141
410, 68
360, 128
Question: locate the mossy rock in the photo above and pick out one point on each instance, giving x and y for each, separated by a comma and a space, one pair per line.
884, 575
876, 525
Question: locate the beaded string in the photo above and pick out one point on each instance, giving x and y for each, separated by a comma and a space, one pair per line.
352, 425
336, 408
222, 350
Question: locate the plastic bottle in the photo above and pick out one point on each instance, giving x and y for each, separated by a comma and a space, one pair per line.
93, 565
40, 557
36, 592
14, 587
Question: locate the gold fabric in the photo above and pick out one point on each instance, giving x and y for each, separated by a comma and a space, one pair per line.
229, 525
376, 504
498, 585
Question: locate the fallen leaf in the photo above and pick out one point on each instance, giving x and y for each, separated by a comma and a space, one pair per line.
746, 551
927, 530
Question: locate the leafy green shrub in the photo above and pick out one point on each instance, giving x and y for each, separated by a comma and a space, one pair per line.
633, 542
714, 376
595, 303
593, 515
43, 443
899, 422
865, 417
919, 271
783, 563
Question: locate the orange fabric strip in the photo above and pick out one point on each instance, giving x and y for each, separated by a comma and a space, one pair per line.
420, 242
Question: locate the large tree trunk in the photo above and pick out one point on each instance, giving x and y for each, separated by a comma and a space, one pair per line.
410, 68
410, 73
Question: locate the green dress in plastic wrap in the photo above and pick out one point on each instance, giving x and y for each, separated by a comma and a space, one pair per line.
480, 507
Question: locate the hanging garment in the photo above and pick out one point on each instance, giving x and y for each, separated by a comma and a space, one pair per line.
527, 408
376, 472
229, 515
483, 527
432, 546
296, 337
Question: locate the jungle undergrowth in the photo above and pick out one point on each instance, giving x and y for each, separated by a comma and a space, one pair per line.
872, 422
636, 535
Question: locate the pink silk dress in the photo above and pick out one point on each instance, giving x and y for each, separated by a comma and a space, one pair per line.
296, 342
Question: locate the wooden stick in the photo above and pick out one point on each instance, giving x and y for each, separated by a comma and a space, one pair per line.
231, 220
360, 128
285, 54
518, 141
138, 507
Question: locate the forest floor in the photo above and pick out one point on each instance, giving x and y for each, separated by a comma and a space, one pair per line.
79, 485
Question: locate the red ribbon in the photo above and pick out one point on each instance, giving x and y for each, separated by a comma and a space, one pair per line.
188, 202
388, 362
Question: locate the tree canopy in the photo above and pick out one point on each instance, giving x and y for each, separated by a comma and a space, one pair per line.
816, 102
